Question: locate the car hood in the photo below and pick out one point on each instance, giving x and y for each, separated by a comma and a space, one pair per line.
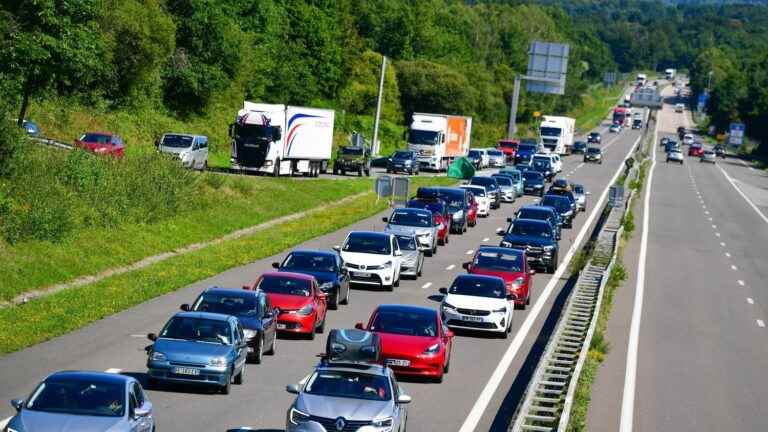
507, 276
528, 240
400, 160
51, 422
403, 229
475, 302
349, 408
190, 351
365, 258
174, 150
394, 345
410, 256
288, 302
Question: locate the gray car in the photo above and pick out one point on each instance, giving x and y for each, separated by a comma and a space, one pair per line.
348, 397
418, 222
507, 188
80, 401
580, 194
413, 257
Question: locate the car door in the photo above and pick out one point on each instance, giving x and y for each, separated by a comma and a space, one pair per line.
446, 335
343, 277
400, 415
321, 301
396, 256
267, 316
137, 399
241, 352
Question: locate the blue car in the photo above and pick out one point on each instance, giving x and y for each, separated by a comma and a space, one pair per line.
533, 183
525, 152
327, 269
78, 401
538, 212
537, 237
564, 206
199, 348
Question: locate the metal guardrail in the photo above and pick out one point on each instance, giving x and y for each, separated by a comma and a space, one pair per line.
52, 143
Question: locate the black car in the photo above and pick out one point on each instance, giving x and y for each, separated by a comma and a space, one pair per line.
671, 145
564, 206
579, 147
252, 309
533, 182
326, 267
491, 187
594, 138
476, 157
539, 212
403, 161
719, 151
594, 154
537, 238
457, 200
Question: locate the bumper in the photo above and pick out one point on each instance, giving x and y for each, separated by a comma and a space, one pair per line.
402, 168
484, 210
533, 190
493, 322
430, 163
410, 269
291, 322
419, 365
383, 277
205, 376
509, 196
425, 243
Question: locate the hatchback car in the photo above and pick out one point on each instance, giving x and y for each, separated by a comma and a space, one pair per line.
372, 258
720, 151
615, 128
516, 176
696, 150
506, 188
327, 269
199, 348
101, 143
413, 257
418, 222
75, 401
579, 147
439, 210
491, 188
708, 156
509, 264
675, 156
533, 183
414, 340
403, 161
475, 302
594, 154
303, 307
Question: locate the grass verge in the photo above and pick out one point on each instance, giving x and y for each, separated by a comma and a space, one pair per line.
595, 105
68, 310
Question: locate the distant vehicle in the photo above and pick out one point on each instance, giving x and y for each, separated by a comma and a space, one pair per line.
641, 79
621, 115
688, 139
664, 141
533, 183
670, 74
356, 159
679, 108
560, 183
482, 198
516, 176
458, 203
476, 157
564, 205
478, 302
539, 212
579, 147
418, 222
508, 147
544, 165
438, 139
303, 306
675, 156
720, 151
372, 258
708, 156
414, 340
507, 188
557, 133
615, 128
637, 123
403, 161
491, 187
84, 401
681, 132
439, 210
509, 264
281, 139
525, 152
594, 154
581, 196
191, 150
326, 267
496, 158
200, 348
537, 237
30, 128
696, 150
101, 143
413, 257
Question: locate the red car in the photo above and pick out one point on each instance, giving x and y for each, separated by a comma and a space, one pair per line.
472, 212
508, 147
302, 304
696, 150
440, 212
508, 264
105, 143
414, 340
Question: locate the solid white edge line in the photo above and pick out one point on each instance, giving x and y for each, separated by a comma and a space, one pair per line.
630, 375
749, 201
750, 301
476, 414
4, 422
740, 282
450, 267
486, 239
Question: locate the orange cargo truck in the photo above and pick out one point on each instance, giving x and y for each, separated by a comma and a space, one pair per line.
438, 139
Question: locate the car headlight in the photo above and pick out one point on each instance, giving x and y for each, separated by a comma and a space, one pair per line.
538, 186
306, 310
458, 215
447, 305
517, 283
433, 349
297, 417
504, 309
382, 423
250, 334
219, 362
158, 356
326, 286
505, 243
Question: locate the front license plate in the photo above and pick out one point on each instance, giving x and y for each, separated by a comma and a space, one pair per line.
186, 371
281, 326
471, 318
398, 362
361, 275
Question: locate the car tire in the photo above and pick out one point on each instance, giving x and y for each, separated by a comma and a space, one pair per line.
434, 250
396, 283
273, 346
552, 267
335, 170
439, 379
420, 268
321, 328
447, 367
226, 388
240, 378
528, 299
153, 383
346, 298
258, 354
334, 303
389, 288
311, 335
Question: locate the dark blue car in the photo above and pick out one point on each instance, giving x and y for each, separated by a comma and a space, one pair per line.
457, 200
403, 161
538, 212
525, 153
537, 237
326, 267
564, 206
533, 182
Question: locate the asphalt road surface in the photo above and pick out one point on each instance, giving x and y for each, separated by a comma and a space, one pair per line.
465, 401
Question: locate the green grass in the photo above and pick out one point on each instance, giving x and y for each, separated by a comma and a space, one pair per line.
68, 310
596, 105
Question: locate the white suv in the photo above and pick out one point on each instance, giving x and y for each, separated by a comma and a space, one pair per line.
478, 302
372, 258
481, 196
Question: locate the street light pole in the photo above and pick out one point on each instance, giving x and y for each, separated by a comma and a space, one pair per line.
375, 143
512, 125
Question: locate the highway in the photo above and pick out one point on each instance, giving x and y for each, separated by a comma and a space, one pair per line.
474, 395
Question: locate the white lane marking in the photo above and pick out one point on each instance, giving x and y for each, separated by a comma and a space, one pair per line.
4, 422
760, 323
486, 239
470, 252
113, 370
749, 201
741, 282
706, 212
450, 267
704, 207
750, 301
579, 166
733, 267
728, 254
722, 244
710, 219
476, 414
746, 165
714, 226
426, 285
138, 335
717, 234
630, 376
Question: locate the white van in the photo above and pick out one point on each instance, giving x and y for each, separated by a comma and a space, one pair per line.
191, 150
555, 161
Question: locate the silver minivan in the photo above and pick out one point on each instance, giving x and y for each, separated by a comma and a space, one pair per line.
191, 150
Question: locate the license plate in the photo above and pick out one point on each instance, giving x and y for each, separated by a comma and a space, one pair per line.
281, 326
361, 275
471, 318
186, 371
398, 362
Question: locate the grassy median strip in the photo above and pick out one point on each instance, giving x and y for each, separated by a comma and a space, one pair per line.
595, 106
68, 310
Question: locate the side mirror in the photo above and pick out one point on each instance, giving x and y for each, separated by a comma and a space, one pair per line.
359, 326
385, 219
509, 220
398, 253
142, 411
152, 337
184, 307
292, 388
531, 272
337, 248
443, 291
500, 231
466, 265
17, 404
322, 295
276, 265
246, 287
404, 399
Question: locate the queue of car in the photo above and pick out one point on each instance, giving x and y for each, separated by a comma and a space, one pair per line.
696, 148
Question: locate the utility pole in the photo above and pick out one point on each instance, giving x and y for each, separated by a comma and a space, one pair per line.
512, 126
375, 143
709, 80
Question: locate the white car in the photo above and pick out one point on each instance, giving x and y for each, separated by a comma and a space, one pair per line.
484, 159
675, 156
477, 302
688, 139
418, 222
555, 162
679, 108
372, 258
496, 158
483, 201
615, 128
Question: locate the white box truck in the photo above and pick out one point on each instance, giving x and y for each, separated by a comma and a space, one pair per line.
438, 139
556, 133
670, 74
281, 139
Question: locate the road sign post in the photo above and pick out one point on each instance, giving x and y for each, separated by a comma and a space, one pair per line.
736, 134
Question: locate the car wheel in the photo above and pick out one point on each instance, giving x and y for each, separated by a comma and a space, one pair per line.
528, 299
346, 297
421, 266
225, 389
439, 379
273, 346
389, 287
321, 327
396, 283
258, 353
311, 334
153, 383
239, 378
447, 238
333, 304
447, 367
434, 248
552, 267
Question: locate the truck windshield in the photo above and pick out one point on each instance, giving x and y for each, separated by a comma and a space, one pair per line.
177, 141
550, 131
252, 134
352, 150
422, 137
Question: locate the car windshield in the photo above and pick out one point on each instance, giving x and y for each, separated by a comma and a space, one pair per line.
525, 148
454, 200
476, 191
495, 153
310, 262
530, 229
530, 213
273, 284
475, 154
177, 141
498, 261
197, 329
348, 384
532, 175
541, 163
356, 151
410, 218
369, 244
556, 201
593, 150
503, 181
488, 182
550, 131
79, 396
405, 322
479, 287
406, 242
416, 136
96, 138
579, 144
402, 155
226, 304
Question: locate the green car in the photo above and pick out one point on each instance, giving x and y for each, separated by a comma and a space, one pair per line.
355, 159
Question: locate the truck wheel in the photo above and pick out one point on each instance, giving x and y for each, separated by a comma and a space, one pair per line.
323, 167
276, 172
343, 171
360, 171
335, 170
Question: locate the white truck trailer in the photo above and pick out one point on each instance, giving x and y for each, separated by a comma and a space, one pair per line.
438, 139
556, 133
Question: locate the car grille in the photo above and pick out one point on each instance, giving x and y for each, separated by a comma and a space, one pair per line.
479, 325
188, 364
473, 312
352, 266
349, 425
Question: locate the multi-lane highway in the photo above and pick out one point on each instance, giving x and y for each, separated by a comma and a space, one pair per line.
483, 369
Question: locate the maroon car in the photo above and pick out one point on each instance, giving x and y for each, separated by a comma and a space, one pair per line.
508, 147
508, 264
102, 143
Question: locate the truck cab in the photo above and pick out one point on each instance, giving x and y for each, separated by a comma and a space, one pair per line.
438, 139
557, 134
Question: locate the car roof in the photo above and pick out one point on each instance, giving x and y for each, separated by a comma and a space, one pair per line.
100, 133
412, 210
203, 315
366, 368
289, 275
531, 221
233, 292
91, 375
535, 207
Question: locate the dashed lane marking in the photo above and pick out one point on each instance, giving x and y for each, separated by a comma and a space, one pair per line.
733, 267
470, 252
450, 267
426, 285
750, 301
740, 282
760, 323
486, 239
728, 254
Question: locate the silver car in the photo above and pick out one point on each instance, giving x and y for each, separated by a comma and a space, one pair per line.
413, 258
418, 222
349, 397
79, 401
581, 196
507, 188
496, 158
708, 156
191, 150
675, 156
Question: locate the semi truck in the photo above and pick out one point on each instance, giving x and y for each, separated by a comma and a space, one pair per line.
438, 139
281, 140
556, 133
670, 74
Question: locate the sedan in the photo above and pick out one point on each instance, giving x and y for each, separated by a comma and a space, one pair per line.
696, 150
594, 154
564, 206
507, 188
418, 222
414, 340
76, 401
533, 183
327, 269
594, 137
481, 303
615, 128
496, 158
413, 257
511, 265
675, 156
302, 305
708, 156
102, 143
